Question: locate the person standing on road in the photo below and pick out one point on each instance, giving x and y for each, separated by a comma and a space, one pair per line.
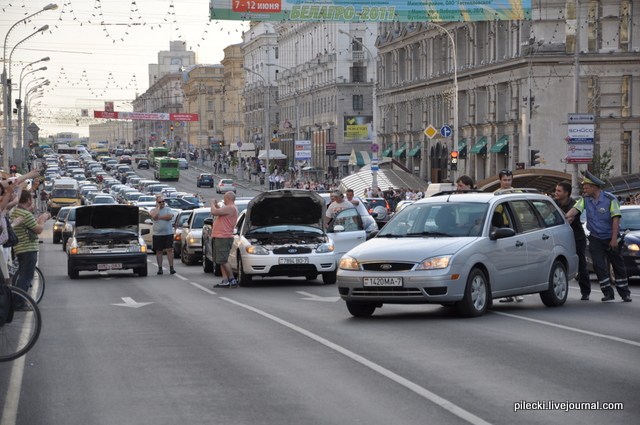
27, 248
350, 194
162, 233
603, 222
222, 237
338, 204
562, 196
506, 180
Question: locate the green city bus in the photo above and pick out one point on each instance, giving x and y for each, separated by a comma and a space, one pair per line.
166, 169
155, 153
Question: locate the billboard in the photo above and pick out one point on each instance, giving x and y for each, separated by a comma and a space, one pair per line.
370, 11
358, 128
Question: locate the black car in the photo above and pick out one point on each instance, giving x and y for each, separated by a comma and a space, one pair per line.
106, 237
204, 180
179, 204
143, 163
59, 224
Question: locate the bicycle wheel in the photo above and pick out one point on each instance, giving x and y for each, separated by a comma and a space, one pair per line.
36, 290
19, 336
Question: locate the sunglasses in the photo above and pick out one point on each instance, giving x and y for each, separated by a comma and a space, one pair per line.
506, 172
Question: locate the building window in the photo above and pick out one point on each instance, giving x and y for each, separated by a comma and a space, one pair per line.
625, 96
358, 74
358, 102
210, 105
624, 26
210, 125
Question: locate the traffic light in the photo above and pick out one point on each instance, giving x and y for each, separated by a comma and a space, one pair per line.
535, 158
519, 165
171, 128
454, 160
221, 144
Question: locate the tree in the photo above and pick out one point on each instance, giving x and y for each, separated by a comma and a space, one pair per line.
601, 165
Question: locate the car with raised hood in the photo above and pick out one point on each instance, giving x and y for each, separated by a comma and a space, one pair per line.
463, 250
283, 233
105, 238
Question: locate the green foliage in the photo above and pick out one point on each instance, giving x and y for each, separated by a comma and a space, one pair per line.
601, 165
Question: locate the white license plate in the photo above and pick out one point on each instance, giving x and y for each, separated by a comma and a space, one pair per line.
382, 281
114, 266
293, 260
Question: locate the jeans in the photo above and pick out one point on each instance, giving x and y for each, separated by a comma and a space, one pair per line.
26, 269
583, 270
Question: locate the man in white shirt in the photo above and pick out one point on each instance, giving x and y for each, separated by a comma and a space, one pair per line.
338, 204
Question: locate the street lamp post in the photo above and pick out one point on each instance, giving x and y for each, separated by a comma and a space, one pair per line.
454, 136
374, 107
6, 81
240, 170
19, 104
267, 131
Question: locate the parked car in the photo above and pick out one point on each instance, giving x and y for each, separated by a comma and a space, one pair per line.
59, 224
368, 221
179, 204
463, 250
106, 237
125, 159
183, 164
226, 185
204, 180
143, 164
380, 210
282, 233
191, 237
68, 227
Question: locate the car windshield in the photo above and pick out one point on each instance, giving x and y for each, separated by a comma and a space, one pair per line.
630, 219
268, 231
437, 219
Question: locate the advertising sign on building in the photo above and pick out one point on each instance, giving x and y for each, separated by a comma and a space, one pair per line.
579, 152
358, 128
303, 150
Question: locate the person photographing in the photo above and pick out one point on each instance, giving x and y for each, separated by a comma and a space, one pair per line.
222, 236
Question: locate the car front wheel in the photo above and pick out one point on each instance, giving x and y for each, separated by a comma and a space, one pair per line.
243, 278
361, 309
558, 290
476, 295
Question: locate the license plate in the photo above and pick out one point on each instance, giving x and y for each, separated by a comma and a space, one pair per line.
382, 281
293, 260
114, 266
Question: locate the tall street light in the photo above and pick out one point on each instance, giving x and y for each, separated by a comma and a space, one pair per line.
374, 106
19, 106
267, 131
6, 81
454, 136
240, 170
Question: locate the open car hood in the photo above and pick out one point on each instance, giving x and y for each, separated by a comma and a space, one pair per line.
98, 217
286, 207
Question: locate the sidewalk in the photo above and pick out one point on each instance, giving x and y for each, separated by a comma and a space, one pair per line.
245, 183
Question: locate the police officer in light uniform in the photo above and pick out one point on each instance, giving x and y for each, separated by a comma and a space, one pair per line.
603, 221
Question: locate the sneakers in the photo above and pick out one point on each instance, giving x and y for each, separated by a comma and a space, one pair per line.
160, 270
227, 284
584, 298
626, 299
507, 300
172, 270
234, 284
609, 297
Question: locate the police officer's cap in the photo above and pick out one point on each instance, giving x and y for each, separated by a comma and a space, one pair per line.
591, 179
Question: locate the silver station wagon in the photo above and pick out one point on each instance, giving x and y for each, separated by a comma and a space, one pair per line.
463, 250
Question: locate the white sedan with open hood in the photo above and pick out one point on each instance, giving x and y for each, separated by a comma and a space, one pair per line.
106, 237
283, 233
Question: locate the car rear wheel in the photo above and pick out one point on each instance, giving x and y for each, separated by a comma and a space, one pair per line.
243, 278
361, 309
207, 265
558, 290
142, 271
73, 274
476, 295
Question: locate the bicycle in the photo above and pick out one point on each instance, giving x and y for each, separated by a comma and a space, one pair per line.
36, 290
22, 329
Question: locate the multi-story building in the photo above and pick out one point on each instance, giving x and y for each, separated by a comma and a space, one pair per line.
232, 101
516, 85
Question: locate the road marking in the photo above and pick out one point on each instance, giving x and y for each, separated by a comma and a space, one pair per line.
10, 410
208, 291
312, 297
443, 403
129, 302
569, 328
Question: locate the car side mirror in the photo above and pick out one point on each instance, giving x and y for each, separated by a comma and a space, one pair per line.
501, 233
145, 231
339, 228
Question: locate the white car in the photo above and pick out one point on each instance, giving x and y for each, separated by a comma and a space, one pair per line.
282, 233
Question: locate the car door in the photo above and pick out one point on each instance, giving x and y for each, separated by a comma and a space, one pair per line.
237, 239
346, 231
508, 255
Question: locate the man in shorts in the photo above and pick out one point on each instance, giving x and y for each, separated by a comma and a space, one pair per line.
162, 233
222, 236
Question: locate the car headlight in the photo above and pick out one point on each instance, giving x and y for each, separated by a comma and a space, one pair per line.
68, 228
633, 247
136, 248
349, 263
433, 263
56, 227
257, 250
324, 248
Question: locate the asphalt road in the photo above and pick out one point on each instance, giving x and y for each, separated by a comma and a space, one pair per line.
120, 349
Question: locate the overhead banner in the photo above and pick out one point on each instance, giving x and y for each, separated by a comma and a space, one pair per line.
370, 11
145, 116
358, 128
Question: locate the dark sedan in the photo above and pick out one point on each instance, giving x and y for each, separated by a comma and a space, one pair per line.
143, 163
179, 204
204, 180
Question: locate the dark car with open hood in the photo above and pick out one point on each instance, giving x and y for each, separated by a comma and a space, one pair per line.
106, 238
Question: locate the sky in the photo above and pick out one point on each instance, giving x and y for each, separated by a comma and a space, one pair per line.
100, 50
